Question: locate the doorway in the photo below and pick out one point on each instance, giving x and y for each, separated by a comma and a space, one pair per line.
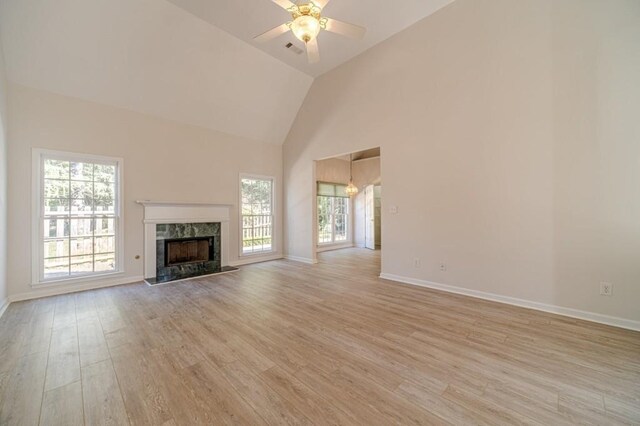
343, 219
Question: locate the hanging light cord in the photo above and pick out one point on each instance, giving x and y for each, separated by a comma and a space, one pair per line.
351, 168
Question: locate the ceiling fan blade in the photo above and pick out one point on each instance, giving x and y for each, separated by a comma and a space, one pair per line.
272, 33
345, 29
313, 54
321, 3
285, 4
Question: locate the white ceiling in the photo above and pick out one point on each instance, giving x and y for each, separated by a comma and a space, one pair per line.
247, 18
153, 57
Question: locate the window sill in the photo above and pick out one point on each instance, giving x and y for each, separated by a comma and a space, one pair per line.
76, 279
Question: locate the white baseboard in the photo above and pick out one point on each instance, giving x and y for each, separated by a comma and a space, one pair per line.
559, 310
255, 259
302, 259
5, 305
73, 288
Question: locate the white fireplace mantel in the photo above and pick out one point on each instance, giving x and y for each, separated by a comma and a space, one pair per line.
162, 212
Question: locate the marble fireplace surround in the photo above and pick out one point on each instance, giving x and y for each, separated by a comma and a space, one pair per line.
165, 212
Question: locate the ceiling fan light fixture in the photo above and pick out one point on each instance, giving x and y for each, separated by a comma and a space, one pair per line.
307, 22
305, 27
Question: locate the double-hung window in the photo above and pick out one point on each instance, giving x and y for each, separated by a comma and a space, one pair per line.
333, 213
78, 217
256, 214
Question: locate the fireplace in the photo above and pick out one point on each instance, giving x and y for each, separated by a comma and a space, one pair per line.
188, 250
202, 227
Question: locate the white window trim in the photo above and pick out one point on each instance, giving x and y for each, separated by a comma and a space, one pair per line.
349, 240
274, 240
37, 192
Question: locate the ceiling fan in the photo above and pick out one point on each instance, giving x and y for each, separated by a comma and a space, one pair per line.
307, 23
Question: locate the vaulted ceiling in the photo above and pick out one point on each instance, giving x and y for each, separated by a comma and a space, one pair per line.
247, 18
191, 61
154, 57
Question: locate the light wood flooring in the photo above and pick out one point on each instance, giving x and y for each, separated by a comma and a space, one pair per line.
288, 343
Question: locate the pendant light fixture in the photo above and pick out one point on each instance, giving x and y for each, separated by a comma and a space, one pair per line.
351, 189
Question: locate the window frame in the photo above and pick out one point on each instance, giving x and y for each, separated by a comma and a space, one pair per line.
348, 218
37, 208
274, 241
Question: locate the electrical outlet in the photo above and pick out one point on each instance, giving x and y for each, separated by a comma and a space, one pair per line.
443, 267
606, 289
416, 262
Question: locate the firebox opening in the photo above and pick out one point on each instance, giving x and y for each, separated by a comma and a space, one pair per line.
188, 250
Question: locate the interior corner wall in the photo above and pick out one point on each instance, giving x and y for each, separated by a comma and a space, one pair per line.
163, 160
3, 183
509, 132
366, 172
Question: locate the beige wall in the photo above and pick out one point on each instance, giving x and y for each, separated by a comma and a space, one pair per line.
336, 170
163, 160
3, 181
333, 170
509, 133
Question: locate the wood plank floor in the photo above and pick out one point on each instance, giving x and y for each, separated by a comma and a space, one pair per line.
287, 343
